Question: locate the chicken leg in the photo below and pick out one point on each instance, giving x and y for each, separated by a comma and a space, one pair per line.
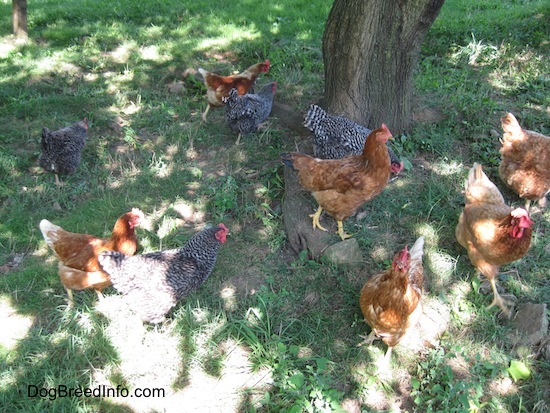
497, 300
70, 300
341, 232
205, 112
316, 216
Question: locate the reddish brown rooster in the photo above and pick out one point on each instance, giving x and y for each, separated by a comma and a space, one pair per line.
340, 186
77, 253
218, 87
525, 165
391, 301
492, 232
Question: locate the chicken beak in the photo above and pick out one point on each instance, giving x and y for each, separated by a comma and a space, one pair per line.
391, 138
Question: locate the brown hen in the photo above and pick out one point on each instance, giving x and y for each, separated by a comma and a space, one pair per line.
391, 301
77, 253
525, 164
218, 87
492, 232
341, 186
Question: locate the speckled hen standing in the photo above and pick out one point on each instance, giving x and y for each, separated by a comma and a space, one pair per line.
337, 136
244, 113
62, 149
154, 282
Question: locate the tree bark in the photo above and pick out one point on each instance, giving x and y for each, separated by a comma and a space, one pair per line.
19, 8
370, 48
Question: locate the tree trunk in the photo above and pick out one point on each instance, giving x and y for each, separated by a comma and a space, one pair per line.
370, 48
19, 8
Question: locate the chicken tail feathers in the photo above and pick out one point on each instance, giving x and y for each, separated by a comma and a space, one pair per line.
49, 231
417, 250
479, 188
476, 176
510, 124
203, 72
287, 160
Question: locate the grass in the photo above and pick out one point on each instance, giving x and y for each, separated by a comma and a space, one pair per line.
269, 331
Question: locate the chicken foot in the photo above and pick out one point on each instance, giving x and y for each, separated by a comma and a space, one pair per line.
315, 218
367, 340
498, 300
341, 232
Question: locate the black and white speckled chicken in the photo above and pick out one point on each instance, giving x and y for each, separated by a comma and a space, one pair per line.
337, 136
62, 149
154, 282
244, 113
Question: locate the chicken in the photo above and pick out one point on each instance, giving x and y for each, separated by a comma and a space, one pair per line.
492, 232
244, 113
77, 253
218, 87
525, 164
391, 301
340, 186
154, 282
336, 136
62, 149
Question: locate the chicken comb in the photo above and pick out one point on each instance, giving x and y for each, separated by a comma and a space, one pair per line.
404, 256
401, 259
222, 233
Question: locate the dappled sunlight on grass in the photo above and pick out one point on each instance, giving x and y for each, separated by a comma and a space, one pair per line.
448, 167
443, 265
229, 34
15, 327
